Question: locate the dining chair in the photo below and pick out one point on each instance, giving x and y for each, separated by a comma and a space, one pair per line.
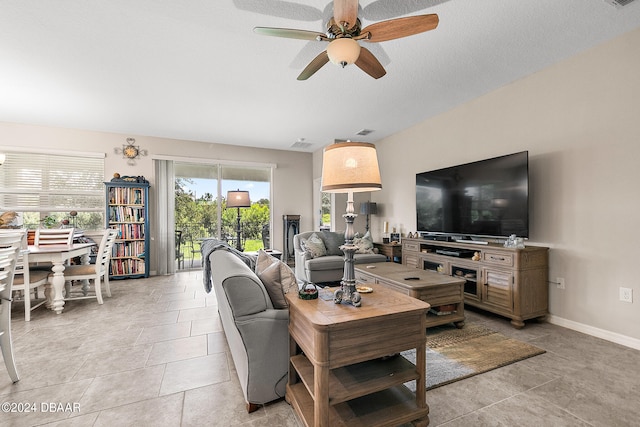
54, 236
97, 272
51, 236
190, 248
27, 280
10, 244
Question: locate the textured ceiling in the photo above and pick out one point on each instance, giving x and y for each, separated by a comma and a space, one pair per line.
194, 69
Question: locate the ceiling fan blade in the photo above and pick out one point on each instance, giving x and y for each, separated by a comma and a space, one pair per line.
401, 27
345, 11
289, 33
314, 66
369, 64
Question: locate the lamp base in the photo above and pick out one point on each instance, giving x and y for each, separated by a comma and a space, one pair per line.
347, 294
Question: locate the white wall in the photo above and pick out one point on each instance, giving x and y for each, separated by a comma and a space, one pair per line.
292, 181
580, 122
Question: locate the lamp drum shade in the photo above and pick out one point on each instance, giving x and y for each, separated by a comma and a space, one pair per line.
238, 199
350, 167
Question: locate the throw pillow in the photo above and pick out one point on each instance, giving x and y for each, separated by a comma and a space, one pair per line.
277, 278
315, 246
364, 244
333, 241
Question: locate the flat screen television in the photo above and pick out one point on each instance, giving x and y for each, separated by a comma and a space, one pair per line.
487, 198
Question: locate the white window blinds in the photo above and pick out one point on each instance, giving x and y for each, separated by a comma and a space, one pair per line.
34, 182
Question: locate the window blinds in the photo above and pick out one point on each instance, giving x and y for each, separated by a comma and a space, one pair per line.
33, 182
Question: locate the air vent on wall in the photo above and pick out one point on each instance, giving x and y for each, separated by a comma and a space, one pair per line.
619, 3
301, 144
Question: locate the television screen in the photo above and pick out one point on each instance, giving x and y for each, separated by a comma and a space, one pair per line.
484, 198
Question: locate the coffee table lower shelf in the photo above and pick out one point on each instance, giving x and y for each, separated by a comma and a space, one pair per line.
390, 407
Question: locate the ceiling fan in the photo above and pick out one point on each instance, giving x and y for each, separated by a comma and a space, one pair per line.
343, 33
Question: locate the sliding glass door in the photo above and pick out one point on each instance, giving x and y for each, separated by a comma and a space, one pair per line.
200, 207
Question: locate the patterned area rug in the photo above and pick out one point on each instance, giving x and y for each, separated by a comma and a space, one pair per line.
454, 354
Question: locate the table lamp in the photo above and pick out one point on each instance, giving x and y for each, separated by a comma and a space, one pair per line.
238, 199
349, 167
368, 208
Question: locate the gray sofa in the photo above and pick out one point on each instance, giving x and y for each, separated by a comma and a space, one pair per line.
256, 332
328, 268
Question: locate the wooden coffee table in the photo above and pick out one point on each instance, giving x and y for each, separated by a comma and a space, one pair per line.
338, 375
444, 293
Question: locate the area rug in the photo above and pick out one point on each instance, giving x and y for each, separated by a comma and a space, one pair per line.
454, 354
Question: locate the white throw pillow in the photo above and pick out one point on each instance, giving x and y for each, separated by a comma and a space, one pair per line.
364, 244
314, 245
277, 278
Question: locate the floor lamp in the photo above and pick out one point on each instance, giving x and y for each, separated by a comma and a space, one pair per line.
350, 167
238, 199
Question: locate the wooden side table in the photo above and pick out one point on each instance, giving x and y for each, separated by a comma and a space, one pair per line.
337, 376
393, 251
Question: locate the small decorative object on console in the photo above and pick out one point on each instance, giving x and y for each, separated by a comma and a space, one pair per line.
308, 291
514, 242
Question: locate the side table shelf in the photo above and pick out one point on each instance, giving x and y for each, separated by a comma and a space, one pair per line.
359, 379
393, 406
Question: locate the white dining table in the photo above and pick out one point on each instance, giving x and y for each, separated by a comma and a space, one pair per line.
58, 256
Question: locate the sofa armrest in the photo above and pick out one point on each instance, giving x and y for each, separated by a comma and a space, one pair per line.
301, 257
246, 295
266, 340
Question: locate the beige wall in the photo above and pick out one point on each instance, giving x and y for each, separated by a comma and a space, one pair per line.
580, 122
292, 183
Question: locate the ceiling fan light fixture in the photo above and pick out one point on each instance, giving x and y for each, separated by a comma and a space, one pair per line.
343, 51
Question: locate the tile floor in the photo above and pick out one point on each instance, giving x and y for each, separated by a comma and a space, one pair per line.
155, 355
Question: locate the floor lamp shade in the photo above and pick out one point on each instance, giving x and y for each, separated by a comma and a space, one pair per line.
238, 199
350, 167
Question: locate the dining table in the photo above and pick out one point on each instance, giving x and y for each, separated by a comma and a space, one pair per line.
58, 255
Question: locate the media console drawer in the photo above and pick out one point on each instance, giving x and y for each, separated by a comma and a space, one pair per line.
411, 246
498, 258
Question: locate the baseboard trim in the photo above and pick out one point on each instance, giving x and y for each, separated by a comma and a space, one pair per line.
596, 332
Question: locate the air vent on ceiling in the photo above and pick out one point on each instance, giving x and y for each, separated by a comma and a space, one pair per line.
364, 132
619, 3
301, 144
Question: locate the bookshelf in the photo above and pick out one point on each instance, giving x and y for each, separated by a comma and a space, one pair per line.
127, 201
